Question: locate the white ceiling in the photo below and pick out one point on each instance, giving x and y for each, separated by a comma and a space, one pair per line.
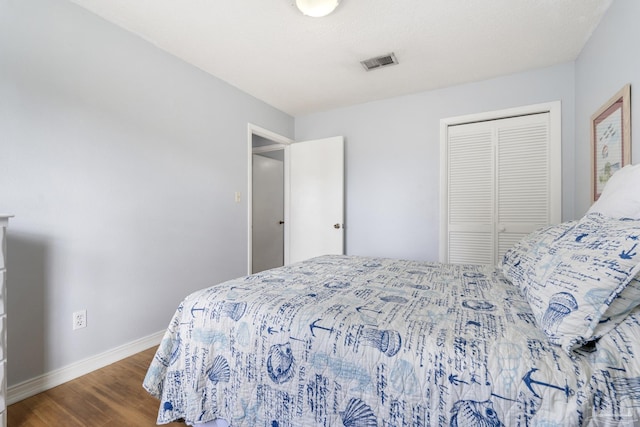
302, 65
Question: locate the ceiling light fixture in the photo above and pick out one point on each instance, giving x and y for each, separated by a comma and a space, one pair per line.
317, 8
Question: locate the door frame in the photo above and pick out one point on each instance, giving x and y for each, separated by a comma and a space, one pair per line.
554, 109
279, 143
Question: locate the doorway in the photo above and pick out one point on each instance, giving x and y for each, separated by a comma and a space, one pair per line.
266, 199
313, 194
268, 210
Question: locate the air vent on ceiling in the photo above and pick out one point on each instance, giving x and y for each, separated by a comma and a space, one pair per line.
379, 62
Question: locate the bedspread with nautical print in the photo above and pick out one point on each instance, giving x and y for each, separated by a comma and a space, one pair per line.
354, 341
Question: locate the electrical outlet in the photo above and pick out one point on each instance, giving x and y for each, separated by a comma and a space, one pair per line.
79, 319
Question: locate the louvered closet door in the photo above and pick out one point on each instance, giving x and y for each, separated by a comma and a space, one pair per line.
522, 178
498, 186
471, 194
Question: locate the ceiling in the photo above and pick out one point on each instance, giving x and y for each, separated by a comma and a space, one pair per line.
302, 65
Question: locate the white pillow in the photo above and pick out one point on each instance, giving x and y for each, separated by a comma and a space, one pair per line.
620, 196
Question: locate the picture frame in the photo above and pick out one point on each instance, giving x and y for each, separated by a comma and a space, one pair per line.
610, 139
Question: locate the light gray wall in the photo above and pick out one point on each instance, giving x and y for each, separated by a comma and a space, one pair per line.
120, 164
393, 149
608, 61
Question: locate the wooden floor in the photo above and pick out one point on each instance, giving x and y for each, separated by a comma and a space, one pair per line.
111, 396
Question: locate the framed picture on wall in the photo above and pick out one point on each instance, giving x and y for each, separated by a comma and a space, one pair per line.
610, 139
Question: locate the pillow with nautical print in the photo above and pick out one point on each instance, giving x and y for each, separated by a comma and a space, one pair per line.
518, 263
623, 303
578, 277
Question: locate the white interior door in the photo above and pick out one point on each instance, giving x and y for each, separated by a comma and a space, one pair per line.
268, 213
316, 199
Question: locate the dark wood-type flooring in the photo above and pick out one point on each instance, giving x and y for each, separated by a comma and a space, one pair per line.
111, 396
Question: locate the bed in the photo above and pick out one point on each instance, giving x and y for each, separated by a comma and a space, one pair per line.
550, 337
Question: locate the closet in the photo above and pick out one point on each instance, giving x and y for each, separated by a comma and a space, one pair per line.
501, 180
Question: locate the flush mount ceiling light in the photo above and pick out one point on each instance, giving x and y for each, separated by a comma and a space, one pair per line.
317, 8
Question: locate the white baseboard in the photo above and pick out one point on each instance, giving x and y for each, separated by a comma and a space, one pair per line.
18, 392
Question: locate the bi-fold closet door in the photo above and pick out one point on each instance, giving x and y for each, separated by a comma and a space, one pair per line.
502, 182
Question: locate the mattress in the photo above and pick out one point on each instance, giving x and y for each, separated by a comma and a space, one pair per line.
360, 341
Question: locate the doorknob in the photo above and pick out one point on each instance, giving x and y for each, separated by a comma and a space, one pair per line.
280, 222
336, 226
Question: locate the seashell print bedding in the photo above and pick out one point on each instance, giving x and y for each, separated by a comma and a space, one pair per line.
356, 341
